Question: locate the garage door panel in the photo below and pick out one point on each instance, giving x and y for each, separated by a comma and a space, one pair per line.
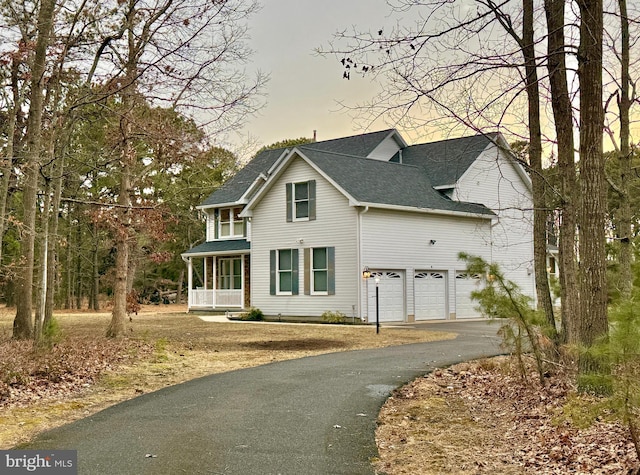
465, 284
430, 295
390, 296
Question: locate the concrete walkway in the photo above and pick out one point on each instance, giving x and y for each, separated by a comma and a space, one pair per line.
314, 415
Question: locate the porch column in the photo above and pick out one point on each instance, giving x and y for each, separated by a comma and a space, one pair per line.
242, 258
214, 284
205, 273
189, 282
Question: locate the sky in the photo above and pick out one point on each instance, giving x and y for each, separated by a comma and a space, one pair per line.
305, 89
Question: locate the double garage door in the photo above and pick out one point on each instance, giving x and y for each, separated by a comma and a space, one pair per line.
430, 295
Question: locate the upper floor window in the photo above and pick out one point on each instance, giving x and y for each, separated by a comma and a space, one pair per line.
230, 224
301, 201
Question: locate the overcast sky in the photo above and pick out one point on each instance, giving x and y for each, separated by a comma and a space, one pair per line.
304, 89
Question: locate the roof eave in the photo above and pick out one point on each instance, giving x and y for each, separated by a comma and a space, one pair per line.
187, 254
414, 209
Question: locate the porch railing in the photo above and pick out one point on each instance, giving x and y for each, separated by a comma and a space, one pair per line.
211, 298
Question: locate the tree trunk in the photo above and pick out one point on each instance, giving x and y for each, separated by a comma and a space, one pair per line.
7, 164
180, 283
23, 323
625, 156
68, 300
540, 213
563, 118
593, 283
95, 288
44, 269
53, 240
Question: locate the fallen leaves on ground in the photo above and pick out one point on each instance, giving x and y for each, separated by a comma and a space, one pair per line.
29, 373
482, 418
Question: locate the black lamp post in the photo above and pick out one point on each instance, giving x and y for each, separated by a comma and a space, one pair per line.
377, 306
366, 274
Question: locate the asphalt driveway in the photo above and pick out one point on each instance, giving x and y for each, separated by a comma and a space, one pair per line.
314, 415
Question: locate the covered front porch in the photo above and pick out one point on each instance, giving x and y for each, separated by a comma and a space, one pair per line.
218, 275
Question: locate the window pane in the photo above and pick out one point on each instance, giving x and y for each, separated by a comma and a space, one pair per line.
225, 229
284, 260
237, 263
236, 214
320, 281
285, 282
320, 258
237, 228
302, 209
224, 214
237, 282
302, 191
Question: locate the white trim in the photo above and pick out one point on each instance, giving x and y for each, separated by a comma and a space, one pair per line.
426, 210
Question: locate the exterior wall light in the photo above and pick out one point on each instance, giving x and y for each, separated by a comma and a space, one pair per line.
366, 273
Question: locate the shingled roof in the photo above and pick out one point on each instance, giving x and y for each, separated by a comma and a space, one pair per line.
423, 167
230, 245
385, 183
233, 189
357, 145
236, 186
446, 161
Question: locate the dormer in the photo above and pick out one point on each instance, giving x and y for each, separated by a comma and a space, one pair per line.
388, 148
225, 223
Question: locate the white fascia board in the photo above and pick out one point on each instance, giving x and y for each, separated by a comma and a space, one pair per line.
276, 164
396, 135
244, 199
272, 175
220, 253
412, 209
444, 187
220, 205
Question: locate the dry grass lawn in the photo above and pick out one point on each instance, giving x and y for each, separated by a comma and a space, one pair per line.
170, 347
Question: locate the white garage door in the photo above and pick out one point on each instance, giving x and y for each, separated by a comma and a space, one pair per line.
465, 284
390, 296
430, 290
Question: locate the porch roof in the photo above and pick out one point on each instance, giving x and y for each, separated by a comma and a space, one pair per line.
219, 247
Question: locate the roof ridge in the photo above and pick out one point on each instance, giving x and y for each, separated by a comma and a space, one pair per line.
358, 156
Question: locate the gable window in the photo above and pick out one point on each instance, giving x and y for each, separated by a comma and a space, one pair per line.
284, 272
301, 201
230, 224
319, 271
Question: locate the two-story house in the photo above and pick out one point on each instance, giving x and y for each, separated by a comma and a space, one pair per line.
294, 230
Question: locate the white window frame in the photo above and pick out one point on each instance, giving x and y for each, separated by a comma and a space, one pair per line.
325, 269
232, 222
296, 201
282, 271
230, 261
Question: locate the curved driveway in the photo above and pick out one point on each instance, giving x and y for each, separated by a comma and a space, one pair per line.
314, 415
